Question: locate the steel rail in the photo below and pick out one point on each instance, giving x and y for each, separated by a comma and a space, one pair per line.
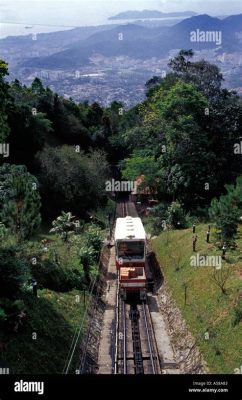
151, 349
124, 338
116, 329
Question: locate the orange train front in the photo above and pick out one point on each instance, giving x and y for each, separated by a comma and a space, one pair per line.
130, 248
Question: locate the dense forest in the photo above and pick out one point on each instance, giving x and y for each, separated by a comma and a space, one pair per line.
56, 155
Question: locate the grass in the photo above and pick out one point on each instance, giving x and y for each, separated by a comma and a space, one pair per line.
207, 309
54, 317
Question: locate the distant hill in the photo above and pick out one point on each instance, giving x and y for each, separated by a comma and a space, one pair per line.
138, 42
142, 42
150, 14
204, 22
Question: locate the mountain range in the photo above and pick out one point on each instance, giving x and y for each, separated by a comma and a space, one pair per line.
150, 14
141, 42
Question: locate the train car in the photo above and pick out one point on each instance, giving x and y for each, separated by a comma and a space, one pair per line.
130, 253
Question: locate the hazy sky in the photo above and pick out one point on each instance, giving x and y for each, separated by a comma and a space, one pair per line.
51, 15
112, 6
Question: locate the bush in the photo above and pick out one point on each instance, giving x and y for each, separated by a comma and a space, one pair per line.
13, 273
164, 216
237, 314
157, 218
176, 216
201, 215
192, 219
93, 238
55, 277
226, 211
19, 201
90, 251
88, 258
9, 310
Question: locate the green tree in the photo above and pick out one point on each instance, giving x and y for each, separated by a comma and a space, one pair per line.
198, 123
29, 131
147, 167
20, 200
37, 86
226, 211
72, 181
204, 75
186, 163
181, 62
152, 85
136, 166
64, 226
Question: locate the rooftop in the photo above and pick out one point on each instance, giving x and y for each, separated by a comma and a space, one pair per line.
129, 228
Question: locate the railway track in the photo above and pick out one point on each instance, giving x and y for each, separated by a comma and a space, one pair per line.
135, 344
152, 363
126, 208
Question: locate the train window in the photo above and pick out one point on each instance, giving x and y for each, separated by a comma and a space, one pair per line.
131, 249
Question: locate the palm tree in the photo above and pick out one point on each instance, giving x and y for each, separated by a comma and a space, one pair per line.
64, 225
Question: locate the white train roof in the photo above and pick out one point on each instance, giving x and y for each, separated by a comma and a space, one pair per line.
129, 228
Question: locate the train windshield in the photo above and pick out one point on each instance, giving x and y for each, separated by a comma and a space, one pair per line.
131, 250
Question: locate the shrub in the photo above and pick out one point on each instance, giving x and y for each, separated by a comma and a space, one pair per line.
64, 226
88, 257
157, 218
55, 277
9, 310
94, 239
13, 273
19, 201
176, 216
237, 314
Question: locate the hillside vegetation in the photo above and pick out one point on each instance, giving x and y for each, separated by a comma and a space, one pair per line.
207, 309
55, 159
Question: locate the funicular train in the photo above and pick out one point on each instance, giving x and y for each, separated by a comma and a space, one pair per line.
130, 254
